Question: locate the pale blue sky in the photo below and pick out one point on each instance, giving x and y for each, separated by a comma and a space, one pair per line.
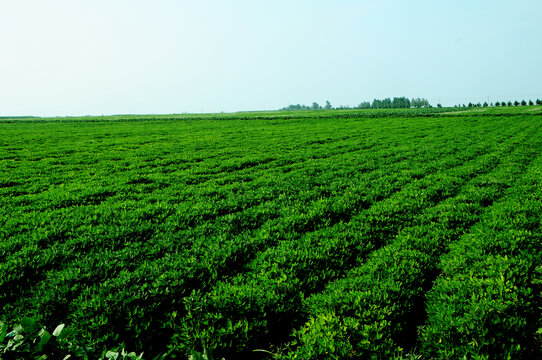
76, 57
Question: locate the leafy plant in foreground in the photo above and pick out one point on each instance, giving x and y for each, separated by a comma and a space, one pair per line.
30, 340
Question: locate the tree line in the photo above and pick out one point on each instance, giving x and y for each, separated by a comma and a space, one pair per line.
503, 103
387, 103
404, 103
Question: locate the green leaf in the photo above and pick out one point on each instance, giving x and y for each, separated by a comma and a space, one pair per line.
112, 355
58, 330
18, 329
30, 325
3, 331
45, 337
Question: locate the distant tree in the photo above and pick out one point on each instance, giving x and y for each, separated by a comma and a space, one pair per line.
315, 106
538, 102
296, 107
478, 105
396, 103
364, 105
497, 104
485, 104
464, 105
531, 103
377, 104
400, 103
386, 103
516, 103
470, 105
439, 105
523, 103
328, 105
420, 102
491, 105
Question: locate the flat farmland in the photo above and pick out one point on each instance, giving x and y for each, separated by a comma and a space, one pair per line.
309, 234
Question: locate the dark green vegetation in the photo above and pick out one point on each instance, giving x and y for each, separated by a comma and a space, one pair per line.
321, 235
403, 103
396, 103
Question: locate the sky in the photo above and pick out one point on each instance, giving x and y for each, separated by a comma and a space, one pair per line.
74, 57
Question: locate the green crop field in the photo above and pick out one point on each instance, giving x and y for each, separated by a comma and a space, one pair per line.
310, 234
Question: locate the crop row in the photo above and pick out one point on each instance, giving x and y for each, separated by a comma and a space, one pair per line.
177, 271
246, 311
223, 234
486, 303
375, 309
186, 219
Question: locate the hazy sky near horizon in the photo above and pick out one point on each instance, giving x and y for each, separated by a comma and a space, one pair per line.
74, 57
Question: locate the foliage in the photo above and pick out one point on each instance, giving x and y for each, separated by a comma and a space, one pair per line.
396, 103
313, 235
485, 302
30, 340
